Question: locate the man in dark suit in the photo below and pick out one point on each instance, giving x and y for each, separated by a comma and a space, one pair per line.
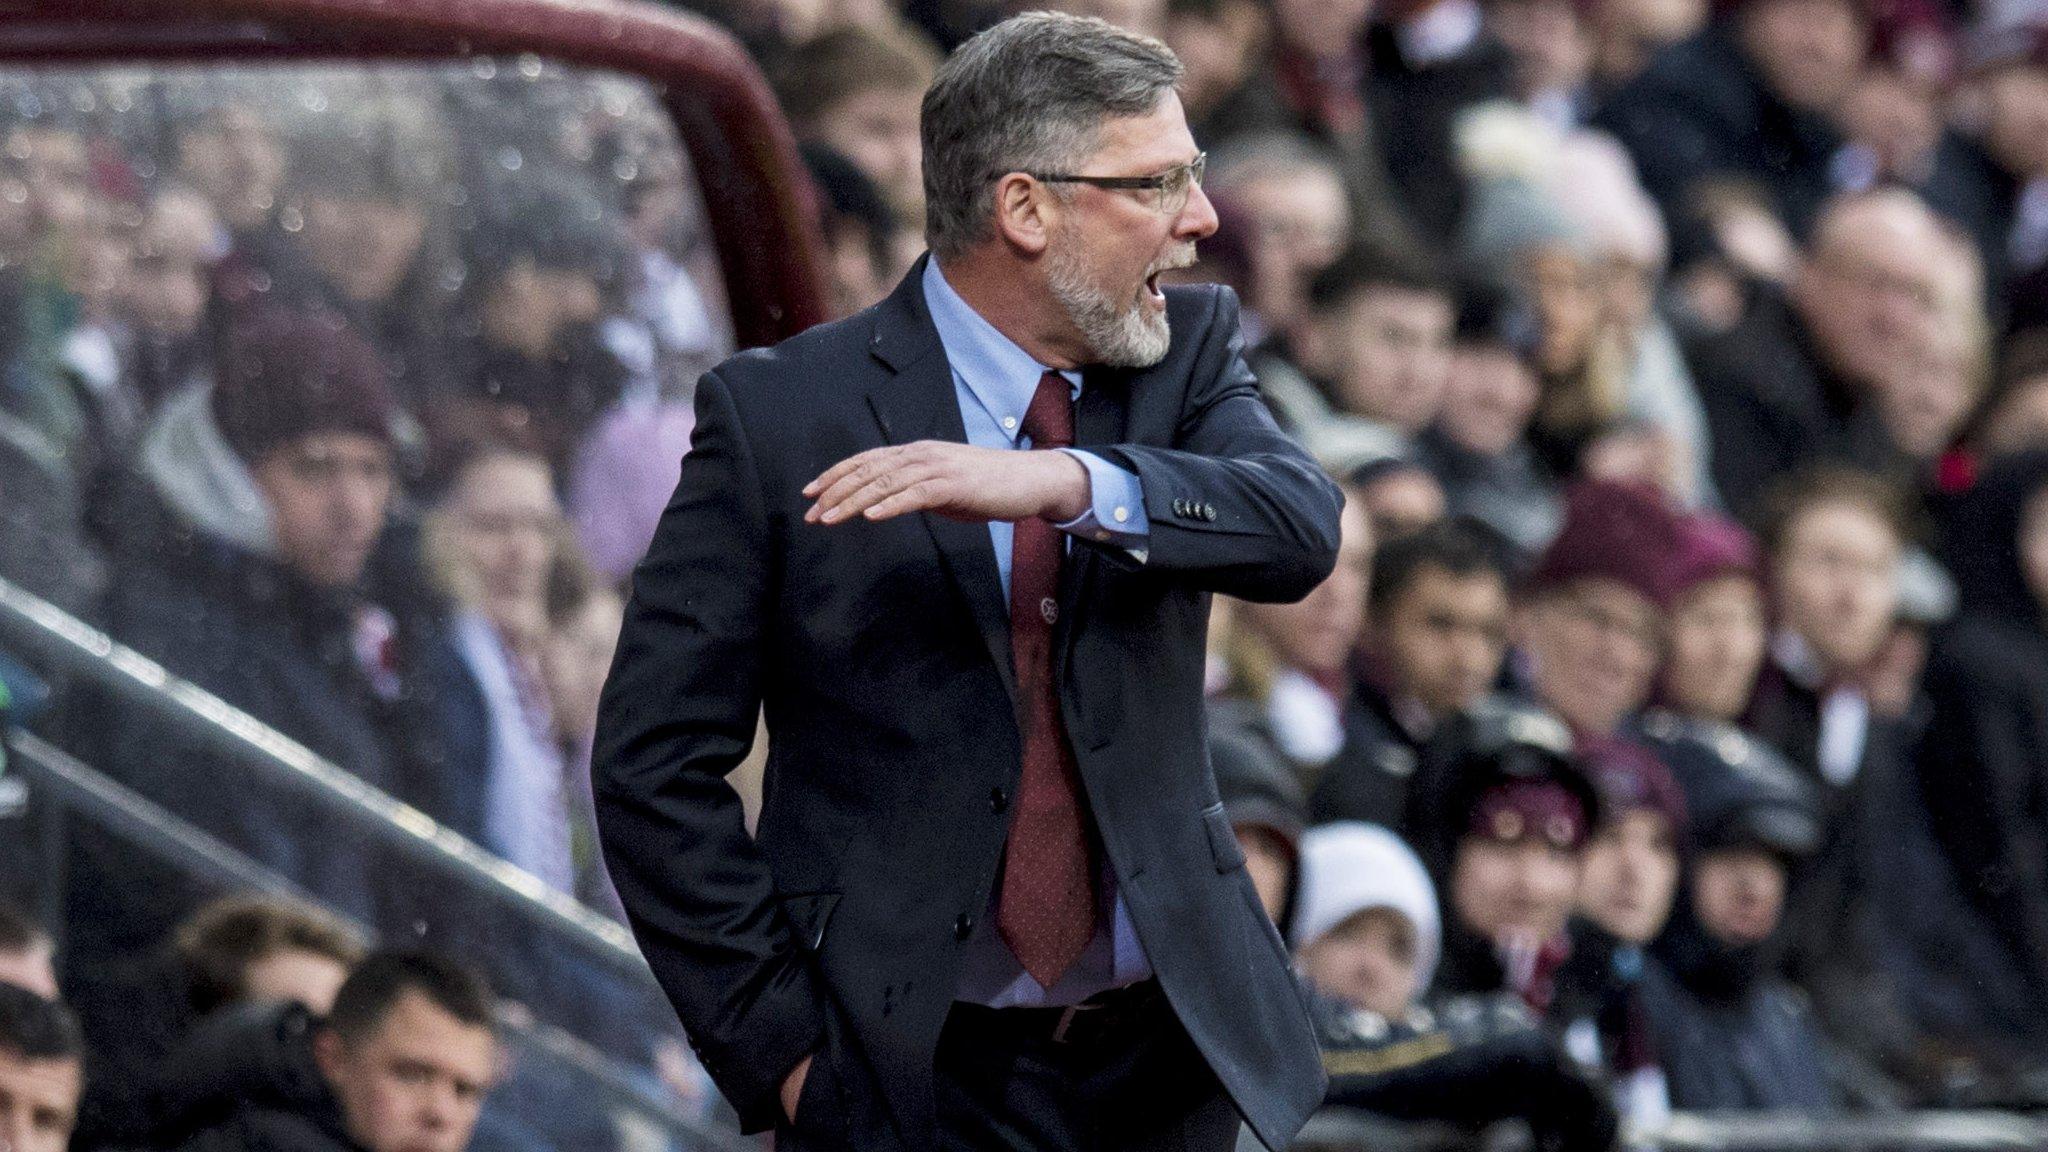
960, 547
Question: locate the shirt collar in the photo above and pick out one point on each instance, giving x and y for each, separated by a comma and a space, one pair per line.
1002, 376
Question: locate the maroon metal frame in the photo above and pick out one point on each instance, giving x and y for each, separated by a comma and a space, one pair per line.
759, 203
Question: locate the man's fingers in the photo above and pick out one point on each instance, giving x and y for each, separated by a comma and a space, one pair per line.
847, 477
914, 498
876, 490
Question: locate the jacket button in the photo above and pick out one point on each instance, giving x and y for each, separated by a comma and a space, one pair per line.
1180, 507
998, 800
963, 926
1208, 512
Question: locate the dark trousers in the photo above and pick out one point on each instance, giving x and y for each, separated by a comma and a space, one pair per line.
1122, 1077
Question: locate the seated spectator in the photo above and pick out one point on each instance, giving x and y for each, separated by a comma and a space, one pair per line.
1366, 931
491, 542
1221, 43
41, 1072
1478, 449
1919, 406
225, 149
1590, 625
1400, 495
2011, 80
859, 227
1437, 637
353, 236
1628, 34
584, 617
1428, 64
1750, 97
2014, 415
1550, 48
1263, 800
1730, 1033
278, 481
1290, 192
1366, 940
1290, 663
1719, 620
857, 91
402, 1064
1790, 380
234, 951
1625, 893
1368, 364
27, 954
1505, 842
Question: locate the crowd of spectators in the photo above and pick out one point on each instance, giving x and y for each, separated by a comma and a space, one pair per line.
1668, 737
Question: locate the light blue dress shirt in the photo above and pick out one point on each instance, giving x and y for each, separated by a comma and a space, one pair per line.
994, 381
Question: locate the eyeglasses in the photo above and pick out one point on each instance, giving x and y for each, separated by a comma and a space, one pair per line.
1171, 185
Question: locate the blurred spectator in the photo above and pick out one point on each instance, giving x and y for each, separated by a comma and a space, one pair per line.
27, 953
1263, 800
351, 236
1922, 404
1289, 192
491, 541
1505, 841
1719, 620
1550, 46
860, 230
402, 1064
1978, 771
1628, 34
1750, 97
236, 950
1625, 897
1312, 82
1729, 1031
277, 483
1400, 496
1219, 42
231, 155
2014, 415
1591, 622
1792, 379
1380, 327
584, 616
1437, 636
1291, 675
2011, 87
40, 1072
1365, 932
1478, 449
545, 268
857, 91
1428, 63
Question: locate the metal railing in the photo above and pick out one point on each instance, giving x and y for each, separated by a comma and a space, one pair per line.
1344, 1130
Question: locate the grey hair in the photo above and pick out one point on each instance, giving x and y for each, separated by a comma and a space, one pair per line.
1029, 94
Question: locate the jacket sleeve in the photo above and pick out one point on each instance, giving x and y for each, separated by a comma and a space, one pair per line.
678, 713
1236, 506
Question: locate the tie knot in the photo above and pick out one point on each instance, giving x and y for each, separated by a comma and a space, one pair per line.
1050, 419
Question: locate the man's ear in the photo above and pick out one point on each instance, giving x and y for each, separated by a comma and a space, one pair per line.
1025, 213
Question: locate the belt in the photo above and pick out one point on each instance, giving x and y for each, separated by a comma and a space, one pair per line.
1101, 1016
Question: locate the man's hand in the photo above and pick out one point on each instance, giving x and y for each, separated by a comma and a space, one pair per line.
793, 1088
956, 480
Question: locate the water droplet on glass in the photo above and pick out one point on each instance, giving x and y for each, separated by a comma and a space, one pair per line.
290, 220
509, 159
313, 100
529, 65
484, 67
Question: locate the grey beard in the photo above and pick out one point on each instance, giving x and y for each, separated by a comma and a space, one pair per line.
1121, 336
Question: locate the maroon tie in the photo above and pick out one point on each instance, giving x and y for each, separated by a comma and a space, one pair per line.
1047, 910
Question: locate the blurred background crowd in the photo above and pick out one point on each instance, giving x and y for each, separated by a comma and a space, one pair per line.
1672, 735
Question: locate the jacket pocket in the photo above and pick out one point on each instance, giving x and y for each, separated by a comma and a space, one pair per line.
1223, 843
808, 914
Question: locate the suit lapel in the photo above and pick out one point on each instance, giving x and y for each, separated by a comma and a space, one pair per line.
917, 402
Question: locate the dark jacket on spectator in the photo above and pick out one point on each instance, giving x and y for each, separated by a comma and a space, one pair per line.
1771, 402
1416, 105
1369, 779
245, 1081
1729, 1033
1701, 110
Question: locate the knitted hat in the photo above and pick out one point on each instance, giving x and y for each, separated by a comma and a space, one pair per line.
1612, 531
1631, 779
1709, 546
1350, 867
1546, 810
288, 374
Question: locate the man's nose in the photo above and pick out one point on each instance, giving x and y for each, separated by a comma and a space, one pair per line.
1197, 219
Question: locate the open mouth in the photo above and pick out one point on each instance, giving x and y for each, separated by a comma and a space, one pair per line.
1152, 287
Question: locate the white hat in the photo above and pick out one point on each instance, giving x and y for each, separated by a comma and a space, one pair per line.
1349, 867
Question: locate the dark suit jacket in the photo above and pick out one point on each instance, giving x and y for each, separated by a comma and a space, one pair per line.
881, 654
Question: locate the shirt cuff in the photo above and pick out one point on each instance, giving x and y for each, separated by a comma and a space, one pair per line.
1116, 512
